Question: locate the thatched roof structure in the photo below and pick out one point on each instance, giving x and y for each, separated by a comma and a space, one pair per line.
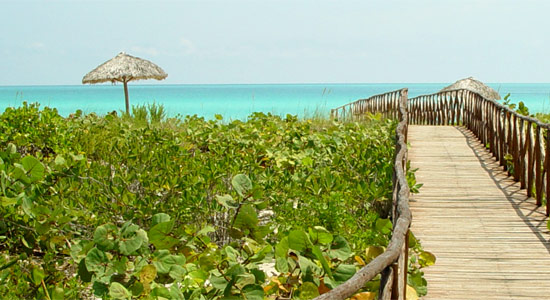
124, 68
473, 85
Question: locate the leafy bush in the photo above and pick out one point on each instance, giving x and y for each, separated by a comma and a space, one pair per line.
154, 195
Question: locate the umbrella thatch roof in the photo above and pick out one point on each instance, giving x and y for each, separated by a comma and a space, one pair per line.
473, 85
124, 68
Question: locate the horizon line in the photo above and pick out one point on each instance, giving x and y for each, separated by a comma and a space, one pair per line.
266, 83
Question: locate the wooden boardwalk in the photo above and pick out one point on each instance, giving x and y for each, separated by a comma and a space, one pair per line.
490, 240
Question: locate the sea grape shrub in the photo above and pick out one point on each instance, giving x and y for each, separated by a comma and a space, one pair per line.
336, 175
35, 227
110, 170
34, 131
127, 262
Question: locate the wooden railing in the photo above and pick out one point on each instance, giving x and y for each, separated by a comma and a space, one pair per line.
387, 104
519, 143
393, 263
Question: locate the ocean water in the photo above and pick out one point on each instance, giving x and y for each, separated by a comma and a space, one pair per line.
237, 101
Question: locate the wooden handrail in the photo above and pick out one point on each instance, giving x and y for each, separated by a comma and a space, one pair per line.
394, 261
518, 142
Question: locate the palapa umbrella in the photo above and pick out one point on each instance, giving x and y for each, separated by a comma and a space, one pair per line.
473, 85
124, 68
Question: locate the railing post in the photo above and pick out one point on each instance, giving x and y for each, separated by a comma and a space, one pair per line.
547, 168
538, 171
515, 147
530, 160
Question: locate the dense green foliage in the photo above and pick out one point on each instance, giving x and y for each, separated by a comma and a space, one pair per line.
190, 208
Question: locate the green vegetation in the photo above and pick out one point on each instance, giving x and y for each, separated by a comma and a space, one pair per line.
144, 207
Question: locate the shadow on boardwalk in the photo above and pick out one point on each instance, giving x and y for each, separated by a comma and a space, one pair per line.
490, 240
525, 207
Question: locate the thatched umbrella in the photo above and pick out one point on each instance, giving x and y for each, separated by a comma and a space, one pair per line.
124, 68
473, 85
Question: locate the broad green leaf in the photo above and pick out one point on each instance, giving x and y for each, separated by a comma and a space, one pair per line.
344, 272
372, 252
298, 240
83, 273
60, 161
100, 289
147, 274
253, 292
129, 244
260, 232
96, 261
58, 293
384, 225
137, 289
11, 149
177, 273
34, 168
104, 237
206, 230
231, 253
38, 275
19, 173
199, 276
411, 293
159, 235
118, 291
340, 249
175, 293
219, 282
308, 268
242, 184
164, 261
308, 291
227, 201
259, 275
426, 258
128, 229
320, 235
28, 206
243, 280
159, 218
281, 249
160, 293
120, 265
247, 217
235, 271
319, 255
418, 282
260, 255
281, 265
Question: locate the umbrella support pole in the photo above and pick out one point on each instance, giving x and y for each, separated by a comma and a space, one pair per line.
126, 97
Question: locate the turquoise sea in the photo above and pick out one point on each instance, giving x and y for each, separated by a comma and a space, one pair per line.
237, 101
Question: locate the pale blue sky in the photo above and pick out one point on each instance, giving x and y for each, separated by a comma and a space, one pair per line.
267, 41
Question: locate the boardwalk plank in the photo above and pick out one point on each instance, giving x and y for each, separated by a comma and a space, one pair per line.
490, 240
